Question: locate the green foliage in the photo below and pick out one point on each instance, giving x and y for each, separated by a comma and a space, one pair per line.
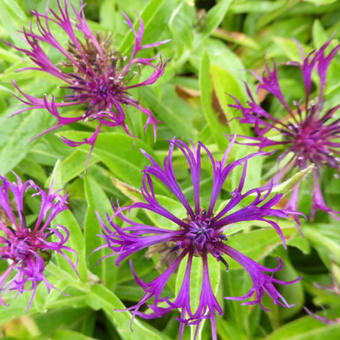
212, 44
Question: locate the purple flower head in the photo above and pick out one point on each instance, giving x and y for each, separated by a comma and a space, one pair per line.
198, 234
25, 247
309, 133
95, 75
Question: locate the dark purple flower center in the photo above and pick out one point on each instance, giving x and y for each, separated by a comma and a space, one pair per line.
307, 140
20, 247
201, 235
98, 80
311, 138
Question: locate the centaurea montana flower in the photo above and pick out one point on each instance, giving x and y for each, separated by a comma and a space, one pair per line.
200, 234
97, 77
309, 134
27, 247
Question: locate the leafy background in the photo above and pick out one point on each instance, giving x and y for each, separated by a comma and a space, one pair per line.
213, 43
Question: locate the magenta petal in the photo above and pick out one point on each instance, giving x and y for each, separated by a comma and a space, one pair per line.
308, 136
95, 76
198, 233
25, 245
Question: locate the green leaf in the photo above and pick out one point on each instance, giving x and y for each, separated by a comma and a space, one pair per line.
74, 165
288, 185
306, 328
102, 298
320, 36
221, 56
294, 293
326, 236
32, 168
11, 17
16, 134
215, 16
258, 243
148, 14
227, 330
120, 153
256, 6
181, 24
216, 128
236, 283
129, 191
76, 238
76, 241
65, 334
97, 202
321, 2
288, 47
226, 85
236, 38
9, 56
46, 322
300, 243
171, 110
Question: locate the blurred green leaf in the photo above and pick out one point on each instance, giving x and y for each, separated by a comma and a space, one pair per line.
214, 17
172, 111
181, 24
11, 17
76, 241
306, 328
225, 86
64, 334
16, 134
99, 203
320, 36
257, 243
74, 165
327, 236
287, 186
147, 15
212, 117
120, 153
102, 298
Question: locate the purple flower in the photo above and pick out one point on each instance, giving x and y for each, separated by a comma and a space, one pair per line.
200, 233
96, 76
308, 135
26, 247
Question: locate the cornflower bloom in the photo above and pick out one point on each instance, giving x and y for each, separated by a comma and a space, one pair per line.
27, 247
96, 76
199, 234
308, 135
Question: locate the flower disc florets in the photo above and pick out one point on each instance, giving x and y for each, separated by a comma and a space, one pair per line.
100, 79
200, 234
27, 248
308, 135
20, 245
97, 77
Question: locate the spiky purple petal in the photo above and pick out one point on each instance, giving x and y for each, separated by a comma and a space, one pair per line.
95, 75
308, 135
22, 245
